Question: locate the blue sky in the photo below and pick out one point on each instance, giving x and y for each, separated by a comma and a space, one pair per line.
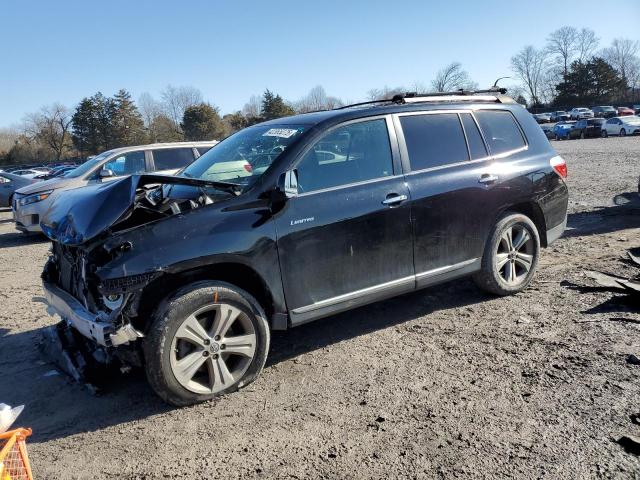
61, 51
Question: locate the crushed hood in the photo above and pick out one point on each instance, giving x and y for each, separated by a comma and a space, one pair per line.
77, 216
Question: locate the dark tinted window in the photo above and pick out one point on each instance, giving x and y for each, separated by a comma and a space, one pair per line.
434, 140
203, 150
172, 158
500, 130
348, 154
476, 144
126, 164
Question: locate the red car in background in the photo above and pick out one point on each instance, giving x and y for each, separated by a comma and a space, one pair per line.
623, 111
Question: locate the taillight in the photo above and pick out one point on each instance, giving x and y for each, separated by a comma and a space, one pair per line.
559, 165
248, 167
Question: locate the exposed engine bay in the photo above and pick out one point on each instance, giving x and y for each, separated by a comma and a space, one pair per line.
86, 227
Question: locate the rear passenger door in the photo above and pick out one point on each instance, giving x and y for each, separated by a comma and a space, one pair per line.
170, 160
456, 187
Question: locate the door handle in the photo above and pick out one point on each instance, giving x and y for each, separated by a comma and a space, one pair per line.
488, 178
390, 200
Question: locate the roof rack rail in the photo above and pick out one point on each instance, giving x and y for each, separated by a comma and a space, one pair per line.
493, 94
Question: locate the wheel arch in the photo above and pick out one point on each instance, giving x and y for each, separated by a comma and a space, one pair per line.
234, 273
532, 210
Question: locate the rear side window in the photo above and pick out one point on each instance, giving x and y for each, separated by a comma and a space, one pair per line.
474, 139
500, 130
434, 140
126, 164
172, 158
203, 150
352, 153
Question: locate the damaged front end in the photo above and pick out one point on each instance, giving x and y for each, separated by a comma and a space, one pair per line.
88, 228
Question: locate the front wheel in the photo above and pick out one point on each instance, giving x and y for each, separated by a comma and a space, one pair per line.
510, 256
623, 132
209, 339
581, 135
557, 137
604, 134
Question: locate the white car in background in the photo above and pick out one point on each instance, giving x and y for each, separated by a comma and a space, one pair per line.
621, 126
26, 173
580, 113
30, 203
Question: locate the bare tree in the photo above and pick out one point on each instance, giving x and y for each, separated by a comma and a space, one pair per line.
384, 92
253, 107
622, 55
149, 108
50, 126
177, 99
452, 77
563, 43
317, 99
586, 44
531, 66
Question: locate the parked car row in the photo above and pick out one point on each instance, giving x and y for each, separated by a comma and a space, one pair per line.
30, 203
579, 113
593, 127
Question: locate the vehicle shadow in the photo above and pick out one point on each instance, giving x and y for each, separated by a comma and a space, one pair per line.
57, 407
625, 213
18, 239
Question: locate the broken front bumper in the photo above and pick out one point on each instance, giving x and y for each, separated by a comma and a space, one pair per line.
95, 327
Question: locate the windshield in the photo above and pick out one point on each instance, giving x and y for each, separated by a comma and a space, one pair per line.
88, 166
243, 157
633, 120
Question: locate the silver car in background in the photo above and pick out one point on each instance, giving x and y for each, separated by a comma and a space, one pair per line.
9, 183
31, 202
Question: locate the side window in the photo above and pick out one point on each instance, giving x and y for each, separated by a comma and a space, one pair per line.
172, 158
434, 140
4, 180
500, 130
126, 164
474, 139
203, 150
353, 153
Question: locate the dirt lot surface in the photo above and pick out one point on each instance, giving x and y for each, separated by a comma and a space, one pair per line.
442, 383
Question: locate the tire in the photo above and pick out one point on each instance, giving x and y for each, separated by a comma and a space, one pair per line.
581, 135
211, 365
623, 132
604, 134
494, 279
557, 137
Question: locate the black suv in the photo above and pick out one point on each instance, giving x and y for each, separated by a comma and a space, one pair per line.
324, 212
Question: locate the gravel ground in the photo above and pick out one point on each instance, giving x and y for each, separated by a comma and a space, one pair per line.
443, 383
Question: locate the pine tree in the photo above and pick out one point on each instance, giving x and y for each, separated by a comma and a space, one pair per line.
202, 122
127, 126
273, 106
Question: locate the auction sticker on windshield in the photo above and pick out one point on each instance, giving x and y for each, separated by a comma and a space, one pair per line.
280, 132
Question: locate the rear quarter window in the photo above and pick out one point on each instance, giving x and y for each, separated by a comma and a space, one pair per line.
434, 140
172, 158
500, 130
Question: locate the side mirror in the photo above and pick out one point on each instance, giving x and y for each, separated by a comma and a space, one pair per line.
288, 183
106, 173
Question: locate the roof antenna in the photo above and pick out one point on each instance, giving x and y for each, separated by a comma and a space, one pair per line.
495, 84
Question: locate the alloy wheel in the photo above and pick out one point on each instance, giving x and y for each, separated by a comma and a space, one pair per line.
515, 254
213, 348
623, 132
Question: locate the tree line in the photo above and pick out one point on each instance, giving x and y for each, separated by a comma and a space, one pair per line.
570, 69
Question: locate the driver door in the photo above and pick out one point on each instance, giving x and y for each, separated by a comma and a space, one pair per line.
345, 239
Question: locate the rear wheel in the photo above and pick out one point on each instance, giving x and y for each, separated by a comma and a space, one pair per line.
510, 256
557, 137
581, 135
209, 339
